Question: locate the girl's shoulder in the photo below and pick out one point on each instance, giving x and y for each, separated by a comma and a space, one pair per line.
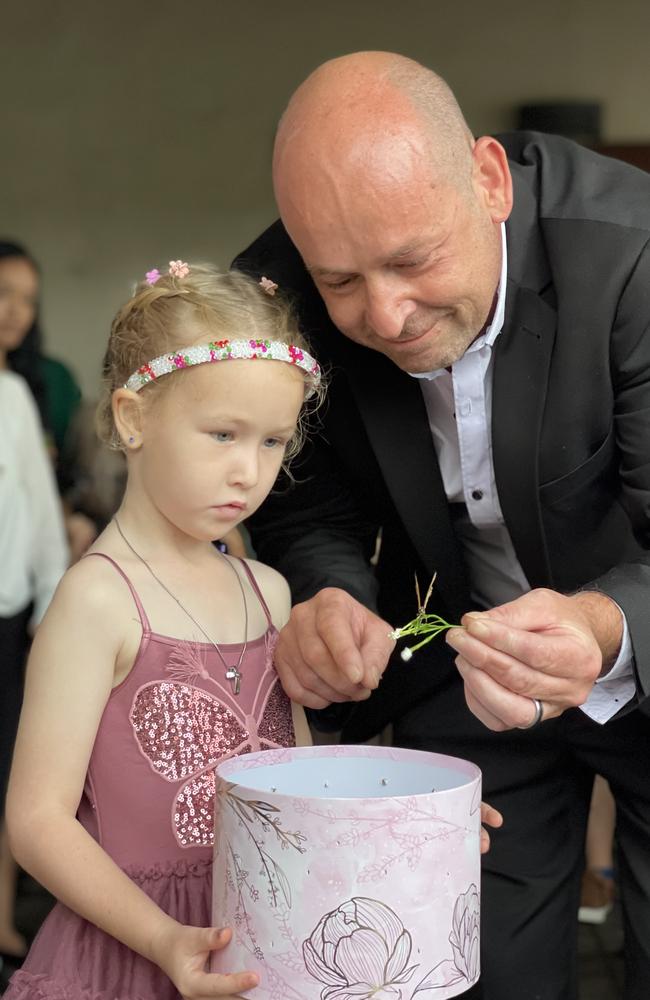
93, 587
274, 589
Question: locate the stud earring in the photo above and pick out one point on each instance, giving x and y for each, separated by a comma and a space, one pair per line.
131, 440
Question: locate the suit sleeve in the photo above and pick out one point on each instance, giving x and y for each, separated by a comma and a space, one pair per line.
629, 583
312, 527
313, 531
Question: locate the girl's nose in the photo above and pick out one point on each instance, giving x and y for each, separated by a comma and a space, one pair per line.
244, 470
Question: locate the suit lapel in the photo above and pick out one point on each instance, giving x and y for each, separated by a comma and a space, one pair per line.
394, 414
521, 370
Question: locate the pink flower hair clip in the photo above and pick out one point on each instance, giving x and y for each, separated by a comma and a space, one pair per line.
151, 277
179, 269
268, 286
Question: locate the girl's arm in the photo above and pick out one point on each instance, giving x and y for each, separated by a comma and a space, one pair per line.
69, 680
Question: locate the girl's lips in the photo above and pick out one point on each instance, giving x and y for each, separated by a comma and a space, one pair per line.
232, 509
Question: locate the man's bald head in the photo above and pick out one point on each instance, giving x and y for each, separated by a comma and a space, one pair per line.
393, 206
352, 111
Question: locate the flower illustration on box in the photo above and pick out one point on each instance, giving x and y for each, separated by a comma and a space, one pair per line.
259, 822
358, 951
361, 951
465, 940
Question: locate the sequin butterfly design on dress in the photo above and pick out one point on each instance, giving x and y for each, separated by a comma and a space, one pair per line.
184, 731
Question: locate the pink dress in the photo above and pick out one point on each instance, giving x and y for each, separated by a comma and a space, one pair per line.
148, 800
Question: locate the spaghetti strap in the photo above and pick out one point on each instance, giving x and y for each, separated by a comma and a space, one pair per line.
254, 584
144, 621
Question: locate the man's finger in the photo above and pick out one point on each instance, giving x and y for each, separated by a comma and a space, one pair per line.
489, 720
496, 706
376, 648
336, 631
308, 666
516, 675
491, 816
309, 690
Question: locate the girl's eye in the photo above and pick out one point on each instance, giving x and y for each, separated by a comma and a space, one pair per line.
222, 436
275, 443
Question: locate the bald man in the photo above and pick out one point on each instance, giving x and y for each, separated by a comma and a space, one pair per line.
483, 308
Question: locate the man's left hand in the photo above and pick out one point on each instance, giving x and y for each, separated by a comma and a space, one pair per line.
543, 645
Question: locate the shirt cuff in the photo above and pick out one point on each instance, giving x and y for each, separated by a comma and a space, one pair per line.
611, 692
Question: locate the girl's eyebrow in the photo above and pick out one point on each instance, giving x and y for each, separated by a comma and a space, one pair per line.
217, 418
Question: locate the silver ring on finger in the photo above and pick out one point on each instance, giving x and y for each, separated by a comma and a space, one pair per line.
538, 717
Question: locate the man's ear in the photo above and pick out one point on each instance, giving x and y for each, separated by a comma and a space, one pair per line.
128, 414
492, 179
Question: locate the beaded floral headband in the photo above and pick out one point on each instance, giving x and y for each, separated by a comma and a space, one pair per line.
226, 350
222, 350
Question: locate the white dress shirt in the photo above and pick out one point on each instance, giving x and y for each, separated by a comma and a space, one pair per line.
33, 550
459, 406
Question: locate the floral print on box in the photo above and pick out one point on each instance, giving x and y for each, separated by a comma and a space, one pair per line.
336, 896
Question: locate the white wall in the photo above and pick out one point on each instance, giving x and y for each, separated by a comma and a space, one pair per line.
134, 131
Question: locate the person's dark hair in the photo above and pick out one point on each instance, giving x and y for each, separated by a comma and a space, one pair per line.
25, 360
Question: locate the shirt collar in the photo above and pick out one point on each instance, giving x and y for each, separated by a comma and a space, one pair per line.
492, 331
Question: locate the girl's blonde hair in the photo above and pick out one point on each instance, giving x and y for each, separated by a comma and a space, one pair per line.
174, 312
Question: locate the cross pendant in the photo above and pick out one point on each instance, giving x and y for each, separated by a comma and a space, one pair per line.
234, 676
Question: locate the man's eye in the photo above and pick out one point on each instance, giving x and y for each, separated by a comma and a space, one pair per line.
409, 263
341, 283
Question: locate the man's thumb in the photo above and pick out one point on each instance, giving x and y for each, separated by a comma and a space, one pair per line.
375, 650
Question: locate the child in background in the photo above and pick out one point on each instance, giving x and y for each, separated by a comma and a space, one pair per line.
154, 661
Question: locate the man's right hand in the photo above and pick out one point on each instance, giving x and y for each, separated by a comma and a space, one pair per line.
332, 649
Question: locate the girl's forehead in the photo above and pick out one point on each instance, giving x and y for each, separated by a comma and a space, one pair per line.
241, 375
240, 385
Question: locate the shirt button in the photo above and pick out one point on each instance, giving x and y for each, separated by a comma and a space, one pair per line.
477, 494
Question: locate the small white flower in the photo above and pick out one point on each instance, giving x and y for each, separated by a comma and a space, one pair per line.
395, 634
406, 654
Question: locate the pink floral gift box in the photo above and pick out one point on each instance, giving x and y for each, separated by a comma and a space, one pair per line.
349, 872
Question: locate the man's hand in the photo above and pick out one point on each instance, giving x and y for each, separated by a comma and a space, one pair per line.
542, 645
489, 817
332, 649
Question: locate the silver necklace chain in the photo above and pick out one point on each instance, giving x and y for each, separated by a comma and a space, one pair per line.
233, 673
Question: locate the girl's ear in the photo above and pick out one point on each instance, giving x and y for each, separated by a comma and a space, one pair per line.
128, 414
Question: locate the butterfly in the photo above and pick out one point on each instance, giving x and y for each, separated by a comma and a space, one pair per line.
184, 731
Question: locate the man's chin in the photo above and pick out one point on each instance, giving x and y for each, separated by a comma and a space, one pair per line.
427, 356
421, 362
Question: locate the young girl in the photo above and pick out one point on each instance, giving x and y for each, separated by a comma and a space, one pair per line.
154, 660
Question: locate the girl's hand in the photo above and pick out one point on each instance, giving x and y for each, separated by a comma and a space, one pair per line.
182, 953
491, 817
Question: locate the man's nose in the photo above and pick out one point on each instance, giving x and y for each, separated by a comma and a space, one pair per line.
387, 309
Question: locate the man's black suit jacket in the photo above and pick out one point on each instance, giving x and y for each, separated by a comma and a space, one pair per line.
570, 421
